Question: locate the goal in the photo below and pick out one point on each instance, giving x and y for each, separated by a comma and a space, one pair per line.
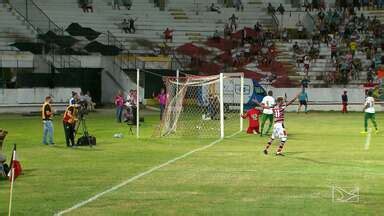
203, 106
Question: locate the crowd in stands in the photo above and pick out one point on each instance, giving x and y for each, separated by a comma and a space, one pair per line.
350, 35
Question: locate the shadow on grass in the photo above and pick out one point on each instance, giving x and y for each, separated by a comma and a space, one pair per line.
313, 160
79, 148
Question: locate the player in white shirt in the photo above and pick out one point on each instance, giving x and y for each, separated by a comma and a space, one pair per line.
369, 112
267, 101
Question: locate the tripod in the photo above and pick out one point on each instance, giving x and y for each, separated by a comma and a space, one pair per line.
83, 127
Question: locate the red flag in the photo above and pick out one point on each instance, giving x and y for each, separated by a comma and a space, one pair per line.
15, 168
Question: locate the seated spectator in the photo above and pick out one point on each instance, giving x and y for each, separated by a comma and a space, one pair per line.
305, 82
270, 9
168, 35
216, 36
284, 35
4, 168
86, 5
127, 4
281, 9
125, 26
214, 8
296, 48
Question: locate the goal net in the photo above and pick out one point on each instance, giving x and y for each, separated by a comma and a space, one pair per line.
203, 106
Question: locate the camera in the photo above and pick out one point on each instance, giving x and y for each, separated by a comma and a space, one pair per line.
82, 109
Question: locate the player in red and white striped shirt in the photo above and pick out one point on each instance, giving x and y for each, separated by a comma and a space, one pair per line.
278, 128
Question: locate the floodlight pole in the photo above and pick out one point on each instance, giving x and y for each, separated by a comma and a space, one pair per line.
221, 106
241, 100
137, 103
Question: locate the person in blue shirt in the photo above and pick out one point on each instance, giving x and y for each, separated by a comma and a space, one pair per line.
303, 99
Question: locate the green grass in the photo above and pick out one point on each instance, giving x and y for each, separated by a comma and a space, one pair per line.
232, 177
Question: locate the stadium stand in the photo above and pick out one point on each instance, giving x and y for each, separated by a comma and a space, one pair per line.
12, 30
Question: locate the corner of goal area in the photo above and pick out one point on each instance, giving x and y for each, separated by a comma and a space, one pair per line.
140, 175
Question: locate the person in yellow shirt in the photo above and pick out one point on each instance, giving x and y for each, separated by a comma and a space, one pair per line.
353, 47
69, 123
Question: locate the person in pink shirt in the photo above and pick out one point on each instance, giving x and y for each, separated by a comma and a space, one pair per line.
162, 98
119, 103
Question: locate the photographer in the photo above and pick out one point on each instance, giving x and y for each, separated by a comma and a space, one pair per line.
69, 123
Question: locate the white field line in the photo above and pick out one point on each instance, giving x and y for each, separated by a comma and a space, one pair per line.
368, 139
116, 187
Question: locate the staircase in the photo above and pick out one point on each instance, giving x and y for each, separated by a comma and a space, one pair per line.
13, 29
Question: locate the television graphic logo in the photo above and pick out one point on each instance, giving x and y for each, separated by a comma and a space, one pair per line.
346, 194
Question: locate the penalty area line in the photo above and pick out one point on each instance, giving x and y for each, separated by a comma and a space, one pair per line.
368, 139
153, 169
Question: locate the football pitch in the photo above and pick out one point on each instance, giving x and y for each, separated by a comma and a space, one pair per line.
329, 168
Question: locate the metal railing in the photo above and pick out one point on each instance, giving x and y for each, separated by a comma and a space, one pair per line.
35, 16
37, 19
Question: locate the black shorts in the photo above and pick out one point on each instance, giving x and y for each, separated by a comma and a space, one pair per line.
303, 102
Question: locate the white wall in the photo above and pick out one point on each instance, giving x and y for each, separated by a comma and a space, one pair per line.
12, 97
326, 99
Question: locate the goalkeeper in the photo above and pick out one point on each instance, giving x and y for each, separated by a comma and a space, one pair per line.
253, 116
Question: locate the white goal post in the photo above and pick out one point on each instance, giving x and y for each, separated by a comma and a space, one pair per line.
203, 106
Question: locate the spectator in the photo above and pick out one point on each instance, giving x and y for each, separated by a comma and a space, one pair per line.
344, 101
168, 35
86, 5
162, 98
333, 50
116, 4
216, 36
300, 30
258, 27
214, 8
90, 104
4, 168
127, 4
307, 5
239, 5
119, 103
132, 28
125, 26
281, 9
47, 114
227, 30
353, 47
271, 9
284, 35
305, 82
233, 23
296, 48
74, 99
306, 65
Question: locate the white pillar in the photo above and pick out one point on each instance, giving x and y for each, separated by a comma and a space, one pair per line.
221, 105
138, 103
241, 100
177, 80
